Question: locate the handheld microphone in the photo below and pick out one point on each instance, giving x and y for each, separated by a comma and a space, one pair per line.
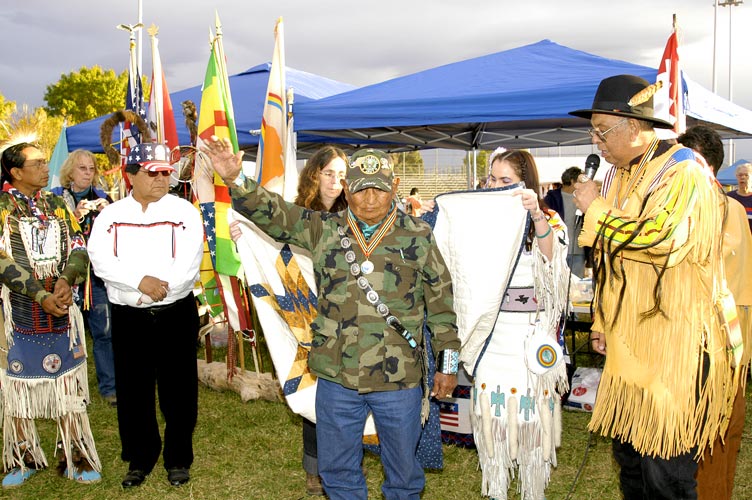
592, 163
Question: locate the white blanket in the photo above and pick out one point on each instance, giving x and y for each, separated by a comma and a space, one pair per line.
479, 234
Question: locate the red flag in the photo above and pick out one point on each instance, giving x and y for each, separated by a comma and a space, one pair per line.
161, 118
669, 99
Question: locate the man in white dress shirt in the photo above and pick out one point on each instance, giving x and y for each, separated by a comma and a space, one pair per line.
147, 248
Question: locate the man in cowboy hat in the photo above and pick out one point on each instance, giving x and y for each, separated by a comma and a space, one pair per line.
654, 229
147, 248
377, 271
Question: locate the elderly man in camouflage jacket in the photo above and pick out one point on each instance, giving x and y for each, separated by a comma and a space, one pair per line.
380, 275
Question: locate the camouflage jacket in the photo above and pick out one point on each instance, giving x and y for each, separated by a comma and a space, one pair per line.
19, 278
352, 344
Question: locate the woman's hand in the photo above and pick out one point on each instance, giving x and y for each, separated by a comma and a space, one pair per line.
101, 203
529, 200
82, 209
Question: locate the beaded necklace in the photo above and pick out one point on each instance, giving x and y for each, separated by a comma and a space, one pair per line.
636, 179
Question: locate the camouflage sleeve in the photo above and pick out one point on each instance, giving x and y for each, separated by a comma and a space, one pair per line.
20, 280
283, 221
439, 301
78, 259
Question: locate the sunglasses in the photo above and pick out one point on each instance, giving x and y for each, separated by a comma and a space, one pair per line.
165, 173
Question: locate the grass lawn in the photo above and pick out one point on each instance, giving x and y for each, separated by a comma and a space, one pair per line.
253, 451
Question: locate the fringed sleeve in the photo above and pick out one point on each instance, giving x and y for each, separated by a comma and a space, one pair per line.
551, 277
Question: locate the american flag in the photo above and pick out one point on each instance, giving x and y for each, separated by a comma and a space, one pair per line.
449, 414
134, 101
208, 214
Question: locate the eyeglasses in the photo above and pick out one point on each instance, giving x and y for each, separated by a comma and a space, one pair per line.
150, 173
40, 163
331, 175
594, 132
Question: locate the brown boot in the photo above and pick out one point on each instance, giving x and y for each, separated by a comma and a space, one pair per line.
313, 485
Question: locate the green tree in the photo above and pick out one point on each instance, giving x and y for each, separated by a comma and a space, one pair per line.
86, 94
481, 163
7, 108
407, 163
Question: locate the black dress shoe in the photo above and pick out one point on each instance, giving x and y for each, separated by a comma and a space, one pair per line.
178, 476
133, 478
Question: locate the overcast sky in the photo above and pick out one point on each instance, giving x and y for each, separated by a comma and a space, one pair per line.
359, 42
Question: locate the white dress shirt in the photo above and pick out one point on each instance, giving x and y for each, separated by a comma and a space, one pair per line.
165, 241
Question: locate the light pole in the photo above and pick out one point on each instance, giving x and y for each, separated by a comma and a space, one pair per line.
727, 3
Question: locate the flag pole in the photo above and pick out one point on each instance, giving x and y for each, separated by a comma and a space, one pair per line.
140, 34
156, 80
222, 62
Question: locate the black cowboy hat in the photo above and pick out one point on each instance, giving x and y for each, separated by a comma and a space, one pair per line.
613, 96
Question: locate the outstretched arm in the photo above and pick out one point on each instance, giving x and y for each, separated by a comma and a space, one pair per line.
226, 163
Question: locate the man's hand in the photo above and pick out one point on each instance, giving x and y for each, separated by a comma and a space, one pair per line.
598, 342
63, 292
155, 288
585, 193
226, 163
235, 231
54, 306
443, 385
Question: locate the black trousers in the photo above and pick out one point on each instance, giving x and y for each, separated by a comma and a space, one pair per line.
155, 348
653, 478
310, 449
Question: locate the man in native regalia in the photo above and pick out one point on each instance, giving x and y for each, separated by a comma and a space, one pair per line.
42, 254
654, 228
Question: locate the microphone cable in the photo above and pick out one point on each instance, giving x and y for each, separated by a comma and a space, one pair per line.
578, 226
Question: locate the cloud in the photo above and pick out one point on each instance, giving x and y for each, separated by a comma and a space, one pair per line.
360, 42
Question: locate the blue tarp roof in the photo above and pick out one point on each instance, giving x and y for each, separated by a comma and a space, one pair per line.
727, 175
248, 91
516, 98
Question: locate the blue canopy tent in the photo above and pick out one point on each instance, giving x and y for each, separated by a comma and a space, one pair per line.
727, 175
248, 96
517, 98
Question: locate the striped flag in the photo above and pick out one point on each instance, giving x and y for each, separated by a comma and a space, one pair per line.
161, 119
134, 101
275, 160
449, 415
216, 118
669, 99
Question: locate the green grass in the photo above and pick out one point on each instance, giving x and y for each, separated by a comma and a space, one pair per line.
253, 451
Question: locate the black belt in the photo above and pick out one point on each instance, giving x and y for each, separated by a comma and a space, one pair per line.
154, 310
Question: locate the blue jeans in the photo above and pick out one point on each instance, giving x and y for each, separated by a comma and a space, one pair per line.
99, 321
340, 417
